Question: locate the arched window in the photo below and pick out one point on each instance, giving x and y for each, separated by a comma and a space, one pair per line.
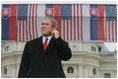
94, 71
70, 70
4, 70
6, 48
100, 48
92, 48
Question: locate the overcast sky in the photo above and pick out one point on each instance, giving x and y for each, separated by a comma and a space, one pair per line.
111, 46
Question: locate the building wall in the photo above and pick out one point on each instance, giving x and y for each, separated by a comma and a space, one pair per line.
85, 60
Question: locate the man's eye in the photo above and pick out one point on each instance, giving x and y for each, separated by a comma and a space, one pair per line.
45, 23
42, 23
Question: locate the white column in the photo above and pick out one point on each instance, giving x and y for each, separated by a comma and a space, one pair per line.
8, 71
98, 72
81, 71
13, 70
86, 71
115, 73
18, 65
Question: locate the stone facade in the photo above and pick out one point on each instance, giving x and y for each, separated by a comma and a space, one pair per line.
88, 60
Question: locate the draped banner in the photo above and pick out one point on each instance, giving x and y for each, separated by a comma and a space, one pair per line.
76, 22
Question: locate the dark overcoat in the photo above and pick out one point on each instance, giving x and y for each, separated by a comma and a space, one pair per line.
39, 63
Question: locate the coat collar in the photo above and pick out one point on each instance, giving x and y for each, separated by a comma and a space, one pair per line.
50, 45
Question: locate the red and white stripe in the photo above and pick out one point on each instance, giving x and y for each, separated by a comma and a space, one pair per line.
27, 29
75, 29
110, 30
71, 30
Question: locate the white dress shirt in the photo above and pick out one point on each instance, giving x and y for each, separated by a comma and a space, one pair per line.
49, 38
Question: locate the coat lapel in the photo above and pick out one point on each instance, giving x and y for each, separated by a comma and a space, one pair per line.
40, 45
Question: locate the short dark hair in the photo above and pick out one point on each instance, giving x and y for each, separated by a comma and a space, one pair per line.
54, 22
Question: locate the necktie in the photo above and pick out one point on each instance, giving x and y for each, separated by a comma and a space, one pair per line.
45, 43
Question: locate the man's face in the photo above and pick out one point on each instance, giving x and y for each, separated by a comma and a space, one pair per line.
46, 27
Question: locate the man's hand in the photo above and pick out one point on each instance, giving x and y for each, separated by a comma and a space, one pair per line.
55, 33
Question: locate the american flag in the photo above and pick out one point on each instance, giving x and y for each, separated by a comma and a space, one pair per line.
71, 22
76, 22
27, 22
110, 23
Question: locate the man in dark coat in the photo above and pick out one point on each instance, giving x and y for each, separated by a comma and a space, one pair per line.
42, 56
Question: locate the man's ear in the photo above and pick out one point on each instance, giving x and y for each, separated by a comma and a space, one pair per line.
52, 26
